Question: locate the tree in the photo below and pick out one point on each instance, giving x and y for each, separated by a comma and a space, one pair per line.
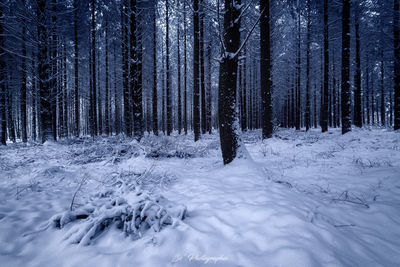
76, 71
168, 88
346, 108
357, 78
202, 80
228, 124
43, 71
136, 73
154, 102
185, 111
24, 80
196, 65
93, 95
125, 70
324, 105
107, 104
179, 75
396, 64
265, 69
3, 123
308, 104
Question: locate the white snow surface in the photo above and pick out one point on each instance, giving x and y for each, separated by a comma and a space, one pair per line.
300, 199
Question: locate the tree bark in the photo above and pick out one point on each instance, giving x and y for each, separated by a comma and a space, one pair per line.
324, 104
396, 64
228, 124
346, 107
196, 78
43, 71
265, 69
3, 123
168, 88
155, 100
76, 71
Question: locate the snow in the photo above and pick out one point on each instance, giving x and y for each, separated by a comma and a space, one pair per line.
299, 199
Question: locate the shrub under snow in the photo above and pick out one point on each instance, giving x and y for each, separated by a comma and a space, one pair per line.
132, 211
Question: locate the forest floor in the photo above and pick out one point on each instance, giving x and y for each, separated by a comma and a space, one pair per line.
301, 199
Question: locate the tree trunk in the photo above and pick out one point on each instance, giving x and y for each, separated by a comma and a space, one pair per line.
107, 96
357, 80
265, 68
209, 89
228, 124
3, 123
53, 79
308, 108
396, 64
43, 71
168, 88
136, 73
24, 81
298, 72
76, 70
93, 99
117, 102
125, 70
196, 78
185, 111
155, 100
324, 110
346, 107
179, 105
202, 83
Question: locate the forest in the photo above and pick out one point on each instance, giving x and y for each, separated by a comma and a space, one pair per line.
270, 127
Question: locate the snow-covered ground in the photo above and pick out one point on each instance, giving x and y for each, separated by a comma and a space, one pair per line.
302, 199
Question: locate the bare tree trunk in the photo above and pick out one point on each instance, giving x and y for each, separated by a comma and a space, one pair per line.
346, 108
24, 81
324, 104
185, 111
136, 72
34, 96
168, 88
155, 100
117, 102
107, 96
209, 89
265, 68
357, 78
53, 79
93, 99
298, 72
396, 64
3, 123
125, 70
65, 92
179, 75
308, 108
43, 69
76, 70
202, 83
228, 123
196, 65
